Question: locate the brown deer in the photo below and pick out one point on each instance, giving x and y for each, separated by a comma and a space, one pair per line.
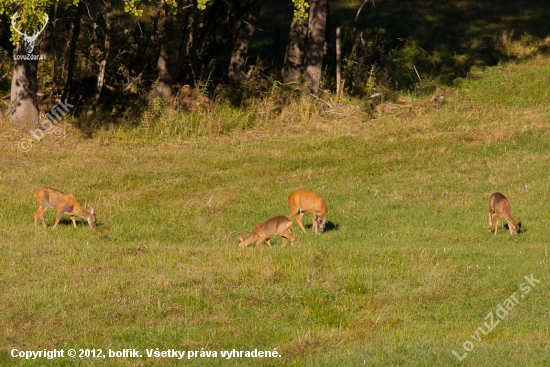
499, 207
266, 230
302, 201
64, 204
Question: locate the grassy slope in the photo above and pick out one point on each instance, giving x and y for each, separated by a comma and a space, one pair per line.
406, 274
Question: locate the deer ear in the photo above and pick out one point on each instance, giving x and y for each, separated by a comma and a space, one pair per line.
241, 238
91, 210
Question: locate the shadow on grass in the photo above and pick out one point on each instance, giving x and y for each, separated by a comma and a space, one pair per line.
522, 228
329, 226
68, 222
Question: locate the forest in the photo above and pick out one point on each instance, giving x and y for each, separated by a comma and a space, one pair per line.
128, 62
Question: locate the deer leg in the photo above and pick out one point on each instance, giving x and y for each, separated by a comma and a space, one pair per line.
260, 241
43, 206
293, 212
39, 213
496, 225
284, 239
289, 235
510, 227
299, 221
58, 218
74, 221
490, 221
315, 225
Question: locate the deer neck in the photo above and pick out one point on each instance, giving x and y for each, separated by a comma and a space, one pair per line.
78, 210
507, 216
248, 240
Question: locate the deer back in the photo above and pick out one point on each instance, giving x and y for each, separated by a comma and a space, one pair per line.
308, 201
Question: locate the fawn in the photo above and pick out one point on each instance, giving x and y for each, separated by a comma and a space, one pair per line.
265, 230
302, 201
64, 203
499, 207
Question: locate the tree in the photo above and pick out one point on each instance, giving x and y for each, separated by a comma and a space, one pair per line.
295, 50
103, 64
23, 103
304, 53
31, 17
316, 35
242, 42
180, 34
168, 64
72, 49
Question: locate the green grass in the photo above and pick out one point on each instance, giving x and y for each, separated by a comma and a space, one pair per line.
405, 274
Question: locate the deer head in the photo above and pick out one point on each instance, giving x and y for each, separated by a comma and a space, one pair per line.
29, 40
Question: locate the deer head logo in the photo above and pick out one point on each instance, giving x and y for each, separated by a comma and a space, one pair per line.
29, 40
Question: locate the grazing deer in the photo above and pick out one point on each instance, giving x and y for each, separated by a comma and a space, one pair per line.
302, 201
499, 207
64, 203
264, 231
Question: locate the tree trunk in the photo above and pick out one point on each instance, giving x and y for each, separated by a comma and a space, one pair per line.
102, 67
168, 64
55, 52
188, 36
295, 50
199, 33
313, 60
244, 36
23, 104
145, 70
72, 50
338, 63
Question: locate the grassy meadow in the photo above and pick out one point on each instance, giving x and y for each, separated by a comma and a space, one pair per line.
405, 273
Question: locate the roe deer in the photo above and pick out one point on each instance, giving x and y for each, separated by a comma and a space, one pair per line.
64, 203
499, 207
264, 231
302, 201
